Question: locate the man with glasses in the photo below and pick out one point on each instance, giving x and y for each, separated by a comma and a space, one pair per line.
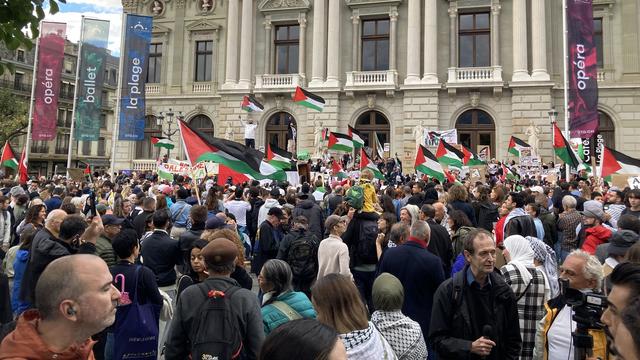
104, 249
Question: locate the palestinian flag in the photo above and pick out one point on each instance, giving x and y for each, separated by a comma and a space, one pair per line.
379, 147
470, 158
319, 193
8, 157
23, 175
434, 135
162, 142
516, 145
278, 157
366, 163
615, 162
308, 99
578, 149
340, 142
325, 134
427, 163
356, 137
245, 160
250, 104
336, 170
449, 155
164, 173
563, 148
508, 173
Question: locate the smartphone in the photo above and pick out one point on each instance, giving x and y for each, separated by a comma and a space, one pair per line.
92, 207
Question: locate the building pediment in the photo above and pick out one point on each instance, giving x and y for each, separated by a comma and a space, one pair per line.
202, 25
158, 29
284, 5
361, 3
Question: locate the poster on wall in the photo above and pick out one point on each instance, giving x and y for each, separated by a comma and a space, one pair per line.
432, 137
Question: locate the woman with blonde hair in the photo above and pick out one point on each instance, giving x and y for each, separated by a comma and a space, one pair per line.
239, 274
338, 304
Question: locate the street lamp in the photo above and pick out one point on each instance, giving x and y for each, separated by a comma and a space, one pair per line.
553, 114
168, 115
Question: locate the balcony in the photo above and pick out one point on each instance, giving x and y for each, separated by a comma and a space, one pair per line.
144, 165
17, 86
489, 75
201, 88
152, 89
278, 82
371, 80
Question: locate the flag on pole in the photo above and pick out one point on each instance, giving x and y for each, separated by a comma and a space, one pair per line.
516, 146
366, 163
164, 173
449, 155
427, 163
615, 162
379, 147
508, 173
471, 158
563, 148
308, 99
250, 104
8, 157
356, 137
336, 170
22, 168
87, 170
340, 142
162, 142
278, 157
245, 160
325, 134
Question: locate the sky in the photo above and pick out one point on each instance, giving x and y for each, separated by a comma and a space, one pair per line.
71, 13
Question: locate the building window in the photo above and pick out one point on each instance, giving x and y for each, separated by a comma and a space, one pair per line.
474, 37
102, 145
20, 55
202, 123
62, 143
287, 45
375, 44
69, 118
204, 60
277, 129
40, 147
155, 63
17, 81
61, 117
373, 124
145, 149
476, 130
86, 148
597, 41
103, 121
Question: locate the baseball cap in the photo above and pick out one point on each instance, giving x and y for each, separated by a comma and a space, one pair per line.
537, 189
215, 223
277, 212
220, 251
621, 241
109, 219
593, 209
16, 191
275, 192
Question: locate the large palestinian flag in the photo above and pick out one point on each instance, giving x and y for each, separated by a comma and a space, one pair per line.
563, 149
8, 157
245, 160
164, 173
308, 99
615, 162
366, 163
470, 158
449, 155
516, 145
427, 163
278, 157
356, 137
250, 104
336, 170
162, 142
340, 142
508, 173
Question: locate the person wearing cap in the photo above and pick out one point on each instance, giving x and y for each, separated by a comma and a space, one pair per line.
617, 248
112, 225
403, 334
219, 256
268, 240
593, 233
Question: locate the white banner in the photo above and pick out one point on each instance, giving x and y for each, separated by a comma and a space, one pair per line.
432, 137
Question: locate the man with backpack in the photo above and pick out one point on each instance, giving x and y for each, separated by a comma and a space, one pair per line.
216, 319
299, 249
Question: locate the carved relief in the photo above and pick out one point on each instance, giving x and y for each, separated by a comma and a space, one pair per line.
474, 98
271, 5
371, 101
206, 6
157, 7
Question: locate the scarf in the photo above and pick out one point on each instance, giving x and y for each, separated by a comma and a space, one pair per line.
521, 255
545, 254
403, 334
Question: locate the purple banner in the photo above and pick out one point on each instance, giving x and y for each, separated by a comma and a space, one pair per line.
583, 85
50, 59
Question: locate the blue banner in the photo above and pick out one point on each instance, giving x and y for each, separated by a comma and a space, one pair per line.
136, 55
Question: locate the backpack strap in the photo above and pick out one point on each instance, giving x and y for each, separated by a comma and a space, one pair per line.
286, 310
458, 283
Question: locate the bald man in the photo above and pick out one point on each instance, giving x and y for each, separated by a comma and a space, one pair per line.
72, 305
62, 235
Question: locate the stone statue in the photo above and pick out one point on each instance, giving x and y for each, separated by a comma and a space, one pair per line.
229, 133
533, 133
317, 139
207, 5
418, 133
157, 7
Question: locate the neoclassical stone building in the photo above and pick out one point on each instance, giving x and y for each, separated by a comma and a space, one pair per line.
489, 68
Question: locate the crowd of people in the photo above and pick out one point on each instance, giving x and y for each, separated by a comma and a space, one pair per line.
403, 268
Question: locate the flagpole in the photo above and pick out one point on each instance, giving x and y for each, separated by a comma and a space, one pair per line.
75, 96
565, 56
116, 118
27, 144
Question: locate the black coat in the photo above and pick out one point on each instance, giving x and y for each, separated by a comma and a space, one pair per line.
440, 245
161, 254
361, 246
267, 242
313, 213
451, 332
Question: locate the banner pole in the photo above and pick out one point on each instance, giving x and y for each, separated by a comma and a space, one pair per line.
116, 118
565, 56
27, 144
75, 96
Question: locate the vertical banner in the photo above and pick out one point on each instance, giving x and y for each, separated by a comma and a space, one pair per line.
583, 85
47, 91
95, 36
136, 55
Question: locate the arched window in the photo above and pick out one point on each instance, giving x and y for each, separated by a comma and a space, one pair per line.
476, 129
606, 135
144, 148
373, 123
202, 123
277, 130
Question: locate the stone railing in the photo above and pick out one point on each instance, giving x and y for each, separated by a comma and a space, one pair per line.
278, 81
200, 88
152, 89
602, 75
372, 79
144, 165
475, 74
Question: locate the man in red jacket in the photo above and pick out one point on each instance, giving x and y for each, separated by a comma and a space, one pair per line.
595, 233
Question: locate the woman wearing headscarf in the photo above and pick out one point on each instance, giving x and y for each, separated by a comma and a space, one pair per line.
544, 258
403, 334
409, 214
528, 286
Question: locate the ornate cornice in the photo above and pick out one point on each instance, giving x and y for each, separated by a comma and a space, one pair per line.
284, 5
363, 3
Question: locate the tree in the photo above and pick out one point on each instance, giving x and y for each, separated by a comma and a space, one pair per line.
13, 115
17, 16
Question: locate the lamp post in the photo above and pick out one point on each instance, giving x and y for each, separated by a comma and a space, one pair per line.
553, 114
168, 115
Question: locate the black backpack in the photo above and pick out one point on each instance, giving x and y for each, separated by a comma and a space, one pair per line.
215, 333
486, 216
366, 244
302, 256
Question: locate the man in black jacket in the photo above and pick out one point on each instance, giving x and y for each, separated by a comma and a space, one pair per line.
418, 196
140, 221
198, 215
440, 243
161, 253
268, 239
311, 210
474, 314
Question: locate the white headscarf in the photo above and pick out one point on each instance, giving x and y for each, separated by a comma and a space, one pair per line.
521, 255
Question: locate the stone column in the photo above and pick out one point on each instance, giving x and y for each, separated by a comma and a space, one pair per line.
539, 42
495, 42
393, 40
333, 46
413, 41
319, 43
430, 75
520, 71
302, 47
453, 37
355, 41
231, 76
267, 46
246, 52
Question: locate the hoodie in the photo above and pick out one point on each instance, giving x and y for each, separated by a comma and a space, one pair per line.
314, 214
264, 209
25, 343
595, 236
19, 266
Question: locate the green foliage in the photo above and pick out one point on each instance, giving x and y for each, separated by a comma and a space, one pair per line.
18, 15
13, 115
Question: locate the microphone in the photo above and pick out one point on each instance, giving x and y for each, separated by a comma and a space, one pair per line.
487, 331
